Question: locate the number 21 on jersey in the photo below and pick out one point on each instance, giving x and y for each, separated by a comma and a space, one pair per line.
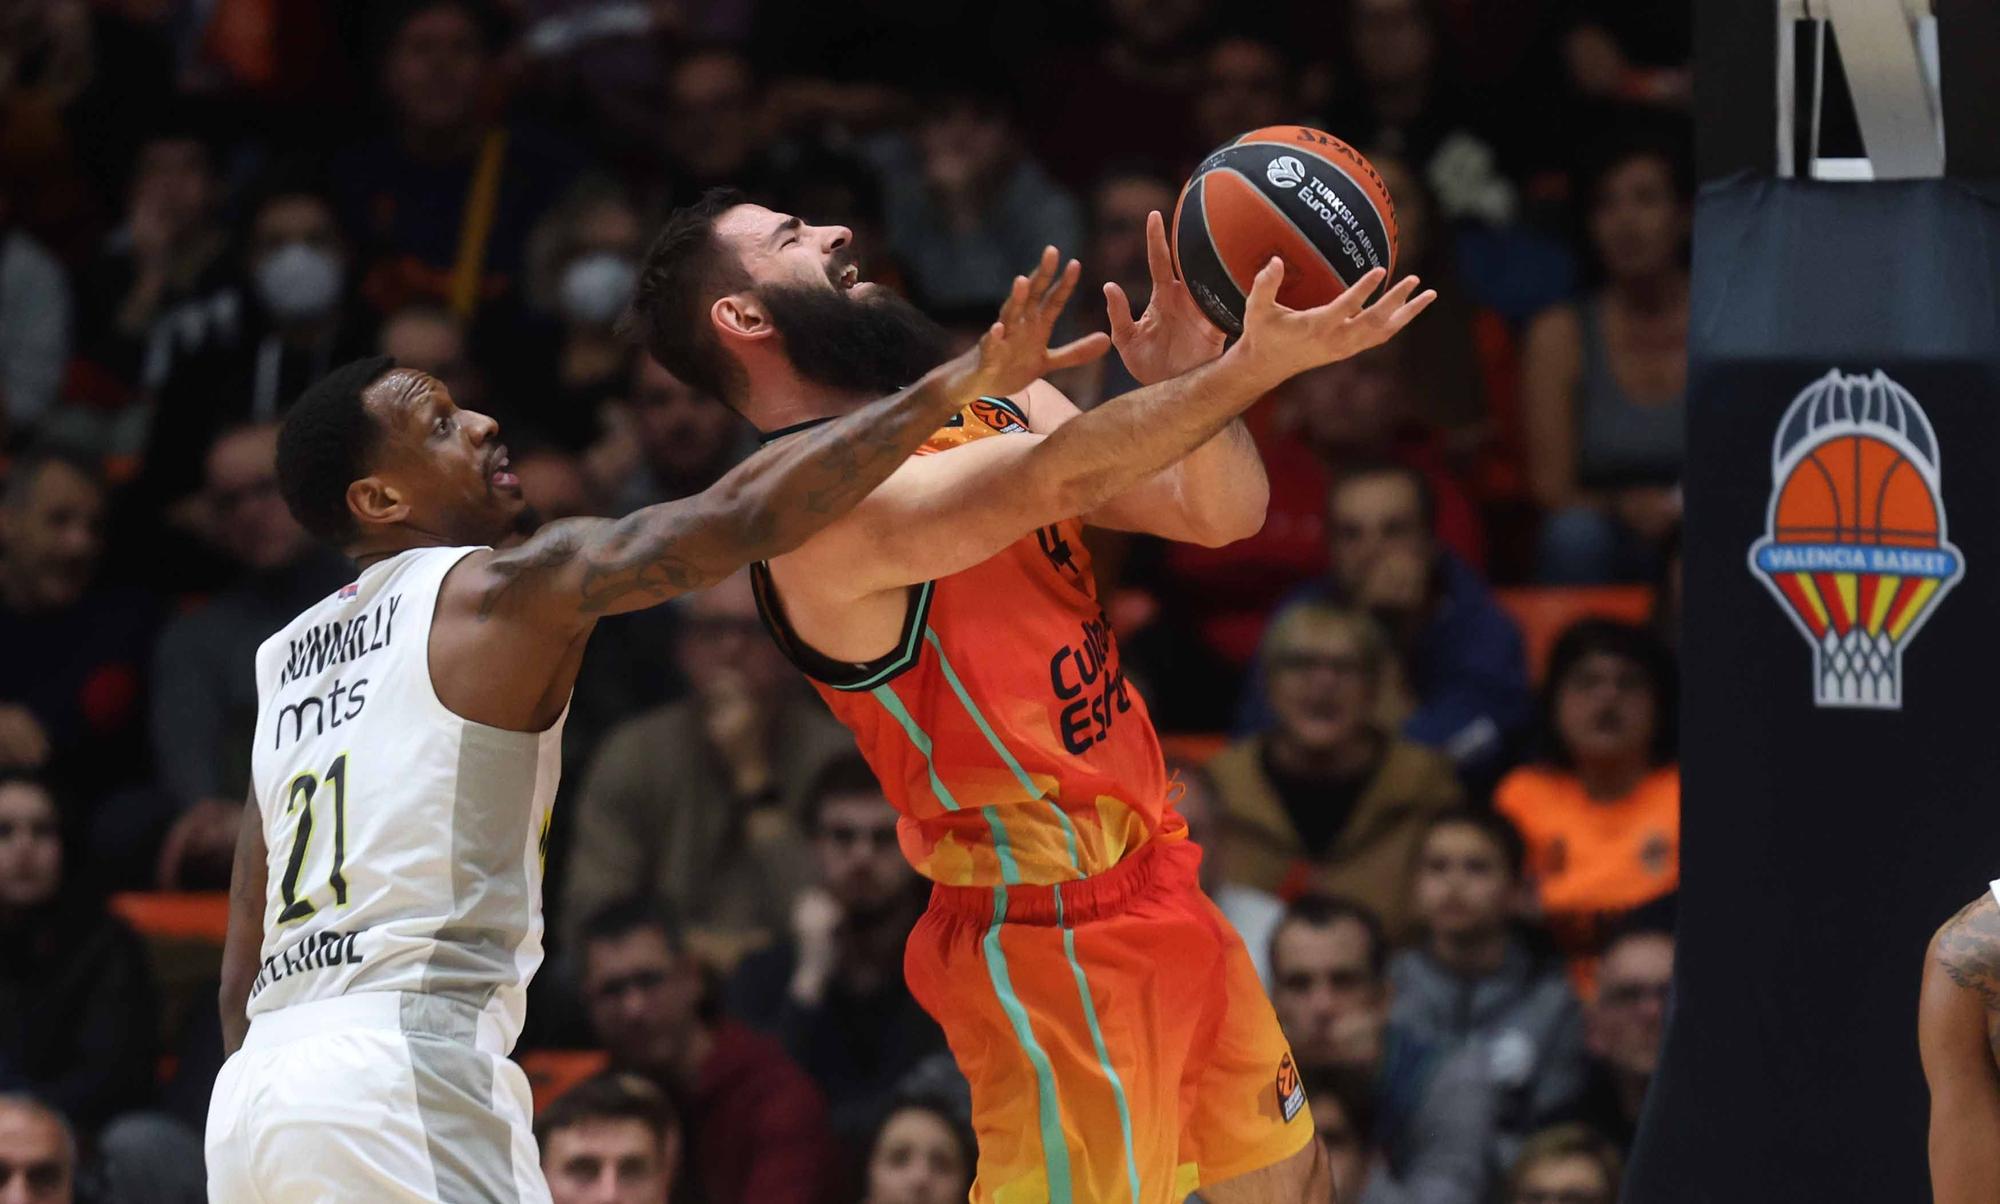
329, 793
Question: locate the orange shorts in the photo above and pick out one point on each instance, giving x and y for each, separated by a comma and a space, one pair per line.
1119, 1044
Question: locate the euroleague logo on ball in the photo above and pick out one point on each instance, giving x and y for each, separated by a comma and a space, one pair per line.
1286, 172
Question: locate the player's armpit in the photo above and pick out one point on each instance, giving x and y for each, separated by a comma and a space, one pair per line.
1958, 1017
245, 938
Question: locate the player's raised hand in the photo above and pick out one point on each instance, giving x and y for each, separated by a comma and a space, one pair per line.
1014, 352
1282, 343
1173, 335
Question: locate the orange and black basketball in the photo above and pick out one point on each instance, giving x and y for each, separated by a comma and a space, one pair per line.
1287, 191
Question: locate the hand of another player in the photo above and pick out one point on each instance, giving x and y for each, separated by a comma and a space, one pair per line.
24, 744
1279, 343
1014, 352
1173, 335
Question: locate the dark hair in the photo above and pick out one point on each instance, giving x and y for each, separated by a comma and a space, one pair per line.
292, 177
939, 1107
684, 271
1353, 1089
1493, 826
1627, 641
28, 467
843, 776
391, 18
326, 444
613, 1095
623, 917
1326, 910
1427, 505
1567, 1141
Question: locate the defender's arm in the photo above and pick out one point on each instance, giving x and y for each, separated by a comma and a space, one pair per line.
1958, 1032
571, 573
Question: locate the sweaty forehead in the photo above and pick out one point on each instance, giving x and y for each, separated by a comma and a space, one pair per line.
402, 393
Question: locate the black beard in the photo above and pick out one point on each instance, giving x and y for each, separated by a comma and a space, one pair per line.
876, 344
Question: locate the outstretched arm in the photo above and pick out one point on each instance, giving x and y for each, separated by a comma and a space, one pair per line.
943, 513
572, 572
1958, 1032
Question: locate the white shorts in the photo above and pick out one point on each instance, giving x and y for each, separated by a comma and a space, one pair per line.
380, 1096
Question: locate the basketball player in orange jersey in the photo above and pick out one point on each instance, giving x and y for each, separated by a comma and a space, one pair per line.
1118, 1043
1958, 1031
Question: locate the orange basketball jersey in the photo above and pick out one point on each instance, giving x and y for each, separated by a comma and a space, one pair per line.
1001, 726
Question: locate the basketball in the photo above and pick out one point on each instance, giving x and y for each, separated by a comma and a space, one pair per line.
1856, 489
1286, 191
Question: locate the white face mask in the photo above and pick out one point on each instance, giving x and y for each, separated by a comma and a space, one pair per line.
299, 281
596, 287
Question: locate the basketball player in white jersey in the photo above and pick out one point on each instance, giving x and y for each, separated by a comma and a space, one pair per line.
385, 913
1958, 1032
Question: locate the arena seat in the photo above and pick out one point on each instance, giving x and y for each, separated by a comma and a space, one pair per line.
553, 1071
175, 915
1544, 611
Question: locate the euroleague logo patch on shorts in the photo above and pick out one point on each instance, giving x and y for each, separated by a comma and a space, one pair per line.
1291, 1090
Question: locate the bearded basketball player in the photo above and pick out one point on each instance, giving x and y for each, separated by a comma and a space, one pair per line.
1958, 1032
385, 913
1118, 1043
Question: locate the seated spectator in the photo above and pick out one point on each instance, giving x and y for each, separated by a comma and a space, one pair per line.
447, 193
612, 1139
72, 656
1343, 1112
922, 1153
1604, 381
1329, 961
1473, 982
833, 992
1358, 413
756, 1125
1246, 84
721, 838
1568, 1164
169, 254
1329, 798
292, 316
581, 264
205, 707
430, 338
667, 441
967, 206
1461, 655
79, 1023
1397, 94
1632, 54
1148, 60
1253, 913
714, 133
1625, 1025
37, 1153
1601, 812
35, 324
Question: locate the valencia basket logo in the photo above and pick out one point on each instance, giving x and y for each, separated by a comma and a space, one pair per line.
1854, 547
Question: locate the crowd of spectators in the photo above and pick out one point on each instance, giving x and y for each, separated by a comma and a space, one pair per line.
1454, 865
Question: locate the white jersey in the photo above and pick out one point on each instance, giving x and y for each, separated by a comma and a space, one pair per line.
404, 843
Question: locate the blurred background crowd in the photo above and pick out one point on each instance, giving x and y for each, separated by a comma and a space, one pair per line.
1444, 817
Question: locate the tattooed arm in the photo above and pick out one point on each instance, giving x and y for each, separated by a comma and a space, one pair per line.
572, 572
1958, 1032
